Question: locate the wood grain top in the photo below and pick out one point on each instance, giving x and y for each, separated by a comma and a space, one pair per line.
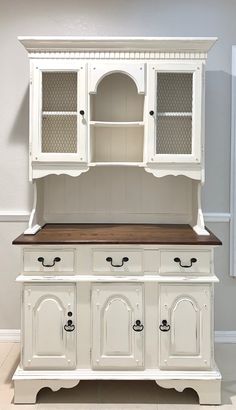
158, 234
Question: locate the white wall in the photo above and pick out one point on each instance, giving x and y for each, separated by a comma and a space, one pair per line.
110, 17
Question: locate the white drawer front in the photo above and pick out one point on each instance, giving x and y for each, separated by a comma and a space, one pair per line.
181, 261
126, 261
47, 260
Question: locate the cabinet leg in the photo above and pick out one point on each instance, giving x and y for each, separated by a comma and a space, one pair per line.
25, 391
209, 391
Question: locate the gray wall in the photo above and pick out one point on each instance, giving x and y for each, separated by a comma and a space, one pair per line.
110, 17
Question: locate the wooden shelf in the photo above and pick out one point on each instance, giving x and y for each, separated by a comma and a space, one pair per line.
112, 124
174, 114
159, 234
58, 113
116, 164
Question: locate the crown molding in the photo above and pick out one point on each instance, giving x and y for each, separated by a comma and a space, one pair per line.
125, 44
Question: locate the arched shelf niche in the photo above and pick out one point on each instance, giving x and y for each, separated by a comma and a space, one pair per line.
116, 125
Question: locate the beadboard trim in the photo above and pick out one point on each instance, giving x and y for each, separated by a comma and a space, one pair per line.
221, 336
23, 216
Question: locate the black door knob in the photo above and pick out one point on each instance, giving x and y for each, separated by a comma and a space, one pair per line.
81, 112
151, 112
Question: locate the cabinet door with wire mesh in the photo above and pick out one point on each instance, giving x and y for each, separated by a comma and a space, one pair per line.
58, 129
174, 112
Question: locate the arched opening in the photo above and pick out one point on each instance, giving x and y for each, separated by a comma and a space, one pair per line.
116, 126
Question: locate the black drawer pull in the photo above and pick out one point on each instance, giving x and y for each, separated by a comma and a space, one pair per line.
138, 327
69, 327
56, 259
164, 327
192, 260
109, 259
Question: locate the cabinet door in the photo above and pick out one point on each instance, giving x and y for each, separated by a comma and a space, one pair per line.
117, 337
185, 326
175, 112
47, 342
58, 129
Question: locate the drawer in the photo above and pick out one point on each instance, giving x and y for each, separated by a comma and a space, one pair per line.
185, 261
110, 260
48, 260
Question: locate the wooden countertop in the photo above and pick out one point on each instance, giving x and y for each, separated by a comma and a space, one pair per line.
154, 234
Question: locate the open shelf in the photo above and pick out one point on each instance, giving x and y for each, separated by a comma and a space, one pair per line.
116, 144
116, 126
117, 164
117, 123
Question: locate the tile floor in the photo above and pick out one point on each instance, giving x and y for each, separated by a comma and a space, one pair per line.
117, 395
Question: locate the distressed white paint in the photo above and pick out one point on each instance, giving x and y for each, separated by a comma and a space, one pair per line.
115, 309
188, 342
45, 342
114, 298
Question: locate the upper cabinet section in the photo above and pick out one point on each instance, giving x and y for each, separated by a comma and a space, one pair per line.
117, 101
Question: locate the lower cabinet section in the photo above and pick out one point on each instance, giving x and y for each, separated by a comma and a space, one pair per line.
49, 325
178, 329
117, 326
185, 326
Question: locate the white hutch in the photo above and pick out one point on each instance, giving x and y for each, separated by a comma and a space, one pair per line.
117, 266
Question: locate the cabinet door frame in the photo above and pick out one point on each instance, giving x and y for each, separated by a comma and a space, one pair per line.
196, 68
33, 296
201, 297
37, 68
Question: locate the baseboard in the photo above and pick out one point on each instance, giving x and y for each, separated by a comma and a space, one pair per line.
225, 336
221, 336
10, 335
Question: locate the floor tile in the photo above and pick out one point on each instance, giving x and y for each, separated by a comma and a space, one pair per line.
4, 350
9, 366
117, 395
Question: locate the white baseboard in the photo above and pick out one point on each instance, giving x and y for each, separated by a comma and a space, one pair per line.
221, 336
10, 335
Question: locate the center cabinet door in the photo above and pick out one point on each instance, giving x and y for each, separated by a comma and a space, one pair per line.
118, 336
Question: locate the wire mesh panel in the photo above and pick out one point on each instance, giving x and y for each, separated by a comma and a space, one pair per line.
59, 133
59, 112
174, 135
174, 92
59, 91
174, 113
